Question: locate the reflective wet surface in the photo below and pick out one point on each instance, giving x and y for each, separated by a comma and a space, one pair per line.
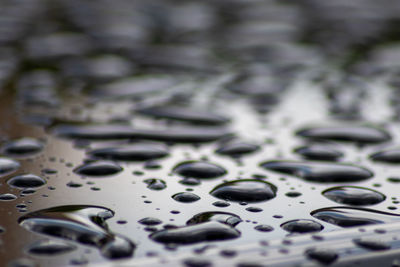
165, 130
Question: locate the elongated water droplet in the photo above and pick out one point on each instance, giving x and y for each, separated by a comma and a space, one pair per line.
207, 231
199, 169
26, 181
248, 190
134, 152
352, 195
98, 168
302, 226
319, 172
237, 149
184, 114
357, 134
319, 152
387, 156
22, 147
215, 216
349, 217
50, 248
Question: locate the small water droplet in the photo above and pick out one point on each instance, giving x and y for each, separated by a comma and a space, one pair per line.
186, 197
155, 184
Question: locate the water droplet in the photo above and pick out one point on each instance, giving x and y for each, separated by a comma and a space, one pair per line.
189, 181
237, 149
199, 169
387, 156
197, 262
150, 221
172, 134
353, 195
254, 209
221, 204
357, 134
74, 184
132, 152
228, 253
319, 152
26, 181
184, 114
186, 197
371, 244
82, 224
323, 256
155, 184
8, 166
133, 87
293, 194
50, 248
248, 190
302, 226
7, 197
319, 172
22, 263
22, 147
207, 231
98, 168
264, 228
215, 216
349, 217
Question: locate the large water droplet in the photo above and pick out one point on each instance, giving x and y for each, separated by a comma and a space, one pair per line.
8, 166
349, 217
302, 226
248, 190
357, 134
237, 149
186, 197
26, 181
319, 172
98, 168
184, 114
132, 152
387, 156
353, 195
50, 248
22, 147
319, 152
199, 169
82, 224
